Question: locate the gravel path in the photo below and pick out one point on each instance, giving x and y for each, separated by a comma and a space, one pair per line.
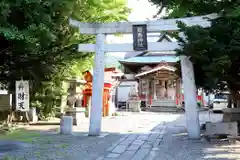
142, 136
64, 147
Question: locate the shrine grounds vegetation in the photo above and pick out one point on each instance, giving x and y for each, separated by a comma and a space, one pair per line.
214, 51
21, 135
37, 43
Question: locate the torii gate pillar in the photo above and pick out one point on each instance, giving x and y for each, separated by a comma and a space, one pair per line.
101, 29
190, 100
98, 86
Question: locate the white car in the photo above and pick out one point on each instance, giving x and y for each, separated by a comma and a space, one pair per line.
220, 101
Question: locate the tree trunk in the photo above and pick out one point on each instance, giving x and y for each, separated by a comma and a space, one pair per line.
234, 89
238, 103
229, 101
236, 98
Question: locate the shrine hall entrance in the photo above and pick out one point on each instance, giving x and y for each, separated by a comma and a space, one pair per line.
159, 86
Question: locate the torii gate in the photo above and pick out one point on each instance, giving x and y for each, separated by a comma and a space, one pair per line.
102, 29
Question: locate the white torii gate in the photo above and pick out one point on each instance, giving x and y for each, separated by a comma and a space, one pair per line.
102, 29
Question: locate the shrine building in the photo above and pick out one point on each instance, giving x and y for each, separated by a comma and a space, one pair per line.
159, 85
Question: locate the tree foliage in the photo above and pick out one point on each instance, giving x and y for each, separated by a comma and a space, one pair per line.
37, 43
36, 40
214, 51
183, 8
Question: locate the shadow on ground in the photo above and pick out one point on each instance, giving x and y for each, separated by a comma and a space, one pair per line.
172, 144
176, 145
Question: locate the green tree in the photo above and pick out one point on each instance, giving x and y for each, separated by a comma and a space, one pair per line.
214, 51
36, 39
183, 8
37, 43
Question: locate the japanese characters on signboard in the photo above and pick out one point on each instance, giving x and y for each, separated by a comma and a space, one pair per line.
22, 96
140, 37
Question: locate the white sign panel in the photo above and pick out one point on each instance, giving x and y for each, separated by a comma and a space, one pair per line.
22, 96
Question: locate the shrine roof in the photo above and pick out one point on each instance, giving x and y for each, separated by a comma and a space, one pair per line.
155, 69
150, 59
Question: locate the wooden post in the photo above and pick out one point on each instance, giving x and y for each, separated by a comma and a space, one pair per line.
154, 89
147, 92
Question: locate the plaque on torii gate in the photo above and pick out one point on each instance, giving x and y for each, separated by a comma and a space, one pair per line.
140, 38
102, 29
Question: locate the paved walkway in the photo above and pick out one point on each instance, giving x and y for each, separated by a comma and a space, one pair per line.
144, 136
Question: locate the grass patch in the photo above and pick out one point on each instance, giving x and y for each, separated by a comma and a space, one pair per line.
117, 114
21, 135
63, 145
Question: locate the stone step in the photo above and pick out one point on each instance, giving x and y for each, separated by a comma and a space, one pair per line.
162, 109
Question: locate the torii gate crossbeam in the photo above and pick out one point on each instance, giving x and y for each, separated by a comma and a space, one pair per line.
102, 29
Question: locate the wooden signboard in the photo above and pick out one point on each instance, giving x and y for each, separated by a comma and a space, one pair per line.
140, 37
22, 96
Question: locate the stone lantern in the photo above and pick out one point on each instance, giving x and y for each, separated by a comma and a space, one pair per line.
134, 102
74, 100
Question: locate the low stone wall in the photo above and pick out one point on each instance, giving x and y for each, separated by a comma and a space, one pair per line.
232, 115
221, 128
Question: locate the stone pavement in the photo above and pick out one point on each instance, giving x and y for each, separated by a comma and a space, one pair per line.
138, 136
136, 146
168, 141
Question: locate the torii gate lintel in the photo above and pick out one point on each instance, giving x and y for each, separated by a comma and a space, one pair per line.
154, 26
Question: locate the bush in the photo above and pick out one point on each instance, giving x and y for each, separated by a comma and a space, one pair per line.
48, 99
